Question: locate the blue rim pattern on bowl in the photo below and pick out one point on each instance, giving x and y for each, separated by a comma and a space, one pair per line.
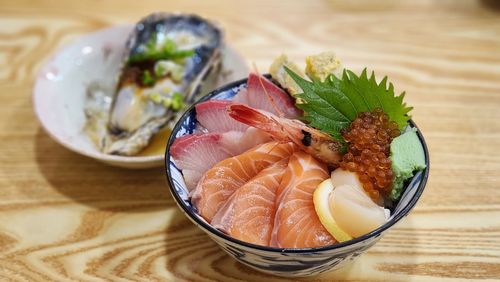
283, 261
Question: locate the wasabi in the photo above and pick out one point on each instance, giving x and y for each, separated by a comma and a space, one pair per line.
407, 156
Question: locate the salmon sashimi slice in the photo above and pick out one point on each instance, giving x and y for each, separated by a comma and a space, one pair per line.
248, 215
220, 182
296, 224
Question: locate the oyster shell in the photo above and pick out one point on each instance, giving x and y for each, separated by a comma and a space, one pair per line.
168, 57
97, 104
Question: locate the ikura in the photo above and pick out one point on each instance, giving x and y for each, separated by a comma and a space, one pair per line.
369, 138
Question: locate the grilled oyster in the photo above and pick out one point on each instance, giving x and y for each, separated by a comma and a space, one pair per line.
169, 56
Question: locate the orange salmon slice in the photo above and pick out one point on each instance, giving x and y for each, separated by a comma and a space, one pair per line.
248, 215
296, 224
222, 180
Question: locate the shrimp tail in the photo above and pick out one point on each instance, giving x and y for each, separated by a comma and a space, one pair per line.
258, 119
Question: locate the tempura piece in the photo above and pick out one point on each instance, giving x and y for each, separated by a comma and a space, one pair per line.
318, 67
278, 72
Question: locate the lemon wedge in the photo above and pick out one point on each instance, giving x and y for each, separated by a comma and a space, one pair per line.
321, 200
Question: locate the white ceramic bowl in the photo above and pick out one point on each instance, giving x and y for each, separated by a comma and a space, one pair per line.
60, 89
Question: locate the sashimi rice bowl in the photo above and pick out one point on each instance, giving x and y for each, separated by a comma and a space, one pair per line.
298, 172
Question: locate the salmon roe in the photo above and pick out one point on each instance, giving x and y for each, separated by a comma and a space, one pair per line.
369, 138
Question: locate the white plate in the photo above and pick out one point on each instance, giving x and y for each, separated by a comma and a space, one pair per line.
59, 92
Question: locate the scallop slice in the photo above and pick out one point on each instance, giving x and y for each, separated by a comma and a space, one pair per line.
345, 177
354, 211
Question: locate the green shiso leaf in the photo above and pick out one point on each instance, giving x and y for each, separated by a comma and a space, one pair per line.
332, 104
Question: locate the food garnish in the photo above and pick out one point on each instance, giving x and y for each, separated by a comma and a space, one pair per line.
319, 67
278, 72
407, 156
174, 101
155, 51
164, 68
321, 200
369, 137
147, 79
332, 104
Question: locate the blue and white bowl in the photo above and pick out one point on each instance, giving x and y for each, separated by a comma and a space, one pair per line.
282, 261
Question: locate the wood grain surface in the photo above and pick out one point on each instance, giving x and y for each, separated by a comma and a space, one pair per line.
64, 217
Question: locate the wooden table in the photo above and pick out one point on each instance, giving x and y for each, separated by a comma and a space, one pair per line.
66, 217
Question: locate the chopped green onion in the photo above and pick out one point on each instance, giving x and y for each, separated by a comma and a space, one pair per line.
178, 73
177, 101
160, 69
150, 46
169, 46
167, 102
163, 68
156, 98
152, 52
147, 79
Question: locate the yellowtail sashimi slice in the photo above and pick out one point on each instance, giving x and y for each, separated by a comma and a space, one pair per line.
237, 137
194, 154
262, 94
237, 142
213, 116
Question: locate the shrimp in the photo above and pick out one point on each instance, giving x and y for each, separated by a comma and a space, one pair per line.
314, 142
